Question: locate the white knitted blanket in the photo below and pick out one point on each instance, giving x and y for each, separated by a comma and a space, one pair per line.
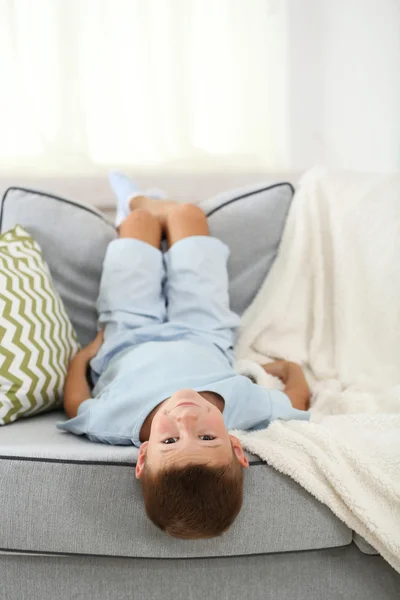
332, 303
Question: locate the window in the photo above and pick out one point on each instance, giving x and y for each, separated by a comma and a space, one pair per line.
161, 84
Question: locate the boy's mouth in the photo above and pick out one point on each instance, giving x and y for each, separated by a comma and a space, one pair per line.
186, 404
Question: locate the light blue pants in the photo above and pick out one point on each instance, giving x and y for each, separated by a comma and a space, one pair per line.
147, 295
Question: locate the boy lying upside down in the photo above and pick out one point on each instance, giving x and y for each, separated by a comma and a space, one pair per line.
163, 372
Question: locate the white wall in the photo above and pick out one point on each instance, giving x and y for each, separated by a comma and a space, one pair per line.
338, 72
362, 83
344, 83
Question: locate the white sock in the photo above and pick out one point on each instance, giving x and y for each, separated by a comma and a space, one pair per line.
125, 189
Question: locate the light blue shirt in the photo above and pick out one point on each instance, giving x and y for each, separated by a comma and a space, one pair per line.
139, 378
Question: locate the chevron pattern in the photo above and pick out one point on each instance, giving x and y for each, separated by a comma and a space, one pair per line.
37, 340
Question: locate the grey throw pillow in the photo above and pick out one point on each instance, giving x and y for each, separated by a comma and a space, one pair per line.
250, 221
73, 238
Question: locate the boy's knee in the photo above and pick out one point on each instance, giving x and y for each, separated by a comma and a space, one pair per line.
140, 215
138, 220
186, 211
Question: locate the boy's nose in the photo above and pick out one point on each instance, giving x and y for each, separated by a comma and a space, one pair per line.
187, 417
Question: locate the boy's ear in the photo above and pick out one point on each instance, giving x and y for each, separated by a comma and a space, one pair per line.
237, 447
141, 459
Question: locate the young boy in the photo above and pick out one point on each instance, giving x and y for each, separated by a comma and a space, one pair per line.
163, 374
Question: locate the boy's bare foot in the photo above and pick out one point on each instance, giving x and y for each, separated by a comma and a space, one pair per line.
158, 208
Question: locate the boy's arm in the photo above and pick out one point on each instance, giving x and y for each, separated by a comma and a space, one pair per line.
296, 386
76, 388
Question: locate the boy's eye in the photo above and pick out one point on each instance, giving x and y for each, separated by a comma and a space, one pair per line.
204, 438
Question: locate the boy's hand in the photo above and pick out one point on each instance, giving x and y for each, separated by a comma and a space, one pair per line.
92, 349
76, 388
296, 387
278, 368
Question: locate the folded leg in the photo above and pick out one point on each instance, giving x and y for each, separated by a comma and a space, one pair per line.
131, 288
133, 273
197, 283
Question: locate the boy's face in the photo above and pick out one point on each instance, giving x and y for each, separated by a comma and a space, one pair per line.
188, 429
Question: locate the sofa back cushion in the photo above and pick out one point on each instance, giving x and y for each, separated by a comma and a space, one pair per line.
250, 220
73, 238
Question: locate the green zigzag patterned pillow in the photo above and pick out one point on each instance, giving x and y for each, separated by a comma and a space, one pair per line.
37, 340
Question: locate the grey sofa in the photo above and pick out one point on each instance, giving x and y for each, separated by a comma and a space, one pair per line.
73, 524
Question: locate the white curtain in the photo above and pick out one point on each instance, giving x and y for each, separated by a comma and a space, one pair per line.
170, 84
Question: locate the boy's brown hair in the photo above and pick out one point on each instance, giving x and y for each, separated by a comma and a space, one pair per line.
195, 501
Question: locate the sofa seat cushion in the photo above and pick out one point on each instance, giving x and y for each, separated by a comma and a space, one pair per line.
63, 494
